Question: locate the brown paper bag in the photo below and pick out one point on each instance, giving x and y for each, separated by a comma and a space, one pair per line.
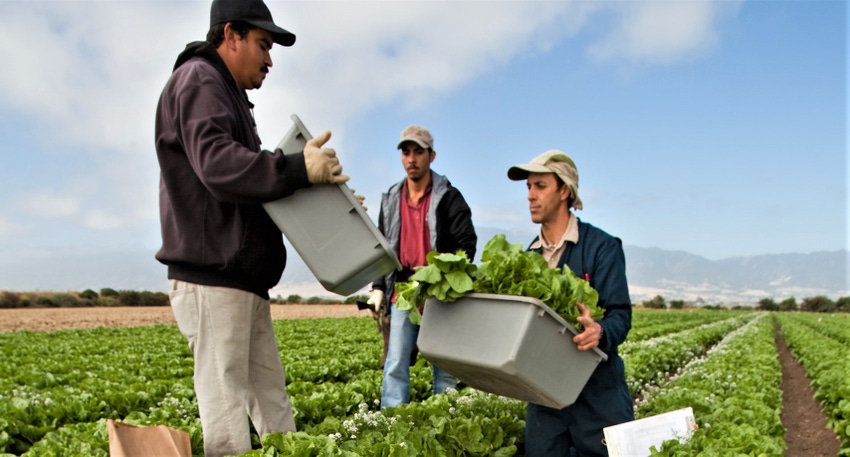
127, 440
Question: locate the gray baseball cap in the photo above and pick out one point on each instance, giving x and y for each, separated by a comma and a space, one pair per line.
417, 134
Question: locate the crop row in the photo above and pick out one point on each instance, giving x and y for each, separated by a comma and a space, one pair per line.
650, 361
827, 363
57, 389
735, 394
648, 324
834, 326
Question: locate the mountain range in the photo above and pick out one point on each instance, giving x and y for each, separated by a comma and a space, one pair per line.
675, 275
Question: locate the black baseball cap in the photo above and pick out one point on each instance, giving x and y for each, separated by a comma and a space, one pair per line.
254, 12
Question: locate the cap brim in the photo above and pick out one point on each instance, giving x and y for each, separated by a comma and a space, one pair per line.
280, 36
520, 172
415, 140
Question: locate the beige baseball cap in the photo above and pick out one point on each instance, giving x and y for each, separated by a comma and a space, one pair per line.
551, 161
419, 135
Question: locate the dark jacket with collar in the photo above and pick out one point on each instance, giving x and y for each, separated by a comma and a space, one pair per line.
605, 399
214, 178
599, 257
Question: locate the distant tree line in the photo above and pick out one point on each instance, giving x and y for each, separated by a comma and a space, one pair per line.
86, 298
817, 304
112, 297
295, 299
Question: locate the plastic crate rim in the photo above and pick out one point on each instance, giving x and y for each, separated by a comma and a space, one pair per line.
536, 302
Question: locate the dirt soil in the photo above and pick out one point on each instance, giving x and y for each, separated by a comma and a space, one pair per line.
48, 319
807, 433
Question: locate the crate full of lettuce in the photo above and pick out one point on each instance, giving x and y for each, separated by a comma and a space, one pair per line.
505, 326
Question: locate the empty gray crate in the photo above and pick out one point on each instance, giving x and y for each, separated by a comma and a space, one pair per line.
512, 346
329, 229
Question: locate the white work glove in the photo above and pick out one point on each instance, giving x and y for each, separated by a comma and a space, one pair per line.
376, 298
322, 163
360, 199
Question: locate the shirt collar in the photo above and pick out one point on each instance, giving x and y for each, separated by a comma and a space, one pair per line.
570, 234
405, 194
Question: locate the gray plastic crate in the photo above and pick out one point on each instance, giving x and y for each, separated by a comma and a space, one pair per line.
512, 346
329, 229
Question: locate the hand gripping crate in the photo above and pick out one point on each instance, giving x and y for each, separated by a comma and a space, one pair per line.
329, 229
511, 346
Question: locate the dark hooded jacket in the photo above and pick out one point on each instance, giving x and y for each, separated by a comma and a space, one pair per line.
449, 222
214, 178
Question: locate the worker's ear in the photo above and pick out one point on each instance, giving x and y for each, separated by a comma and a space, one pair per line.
565, 194
230, 36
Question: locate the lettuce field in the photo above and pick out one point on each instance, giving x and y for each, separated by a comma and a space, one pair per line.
57, 389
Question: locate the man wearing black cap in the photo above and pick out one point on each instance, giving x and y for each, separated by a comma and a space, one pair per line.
222, 250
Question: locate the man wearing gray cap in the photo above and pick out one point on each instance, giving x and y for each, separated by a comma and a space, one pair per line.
222, 250
592, 254
421, 213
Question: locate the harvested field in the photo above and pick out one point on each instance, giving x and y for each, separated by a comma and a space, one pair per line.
49, 319
807, 431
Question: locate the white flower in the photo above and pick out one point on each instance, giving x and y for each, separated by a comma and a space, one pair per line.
349, 426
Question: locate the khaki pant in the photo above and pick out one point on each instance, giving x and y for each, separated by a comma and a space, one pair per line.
238, 372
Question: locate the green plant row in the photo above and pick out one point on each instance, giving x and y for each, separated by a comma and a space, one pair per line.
827, 363
48, 380
650, 361
735, 394
835, 326
57, 389
646, 325
467, 422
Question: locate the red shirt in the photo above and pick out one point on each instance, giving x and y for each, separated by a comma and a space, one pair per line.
415, 237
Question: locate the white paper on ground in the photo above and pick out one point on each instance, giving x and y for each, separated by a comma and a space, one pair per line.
633, 439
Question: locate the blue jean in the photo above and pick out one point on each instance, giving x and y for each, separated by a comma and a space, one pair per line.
396, 384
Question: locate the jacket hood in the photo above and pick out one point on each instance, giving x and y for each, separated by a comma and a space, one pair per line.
206, 51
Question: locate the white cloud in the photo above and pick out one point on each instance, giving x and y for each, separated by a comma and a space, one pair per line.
101, 220
351, 57
91, 72
663, 30
95, 69
49, 204
5, 228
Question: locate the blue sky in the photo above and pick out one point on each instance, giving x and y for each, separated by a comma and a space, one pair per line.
715, 128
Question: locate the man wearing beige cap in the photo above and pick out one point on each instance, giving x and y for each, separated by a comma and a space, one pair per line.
419, 214
592, 254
